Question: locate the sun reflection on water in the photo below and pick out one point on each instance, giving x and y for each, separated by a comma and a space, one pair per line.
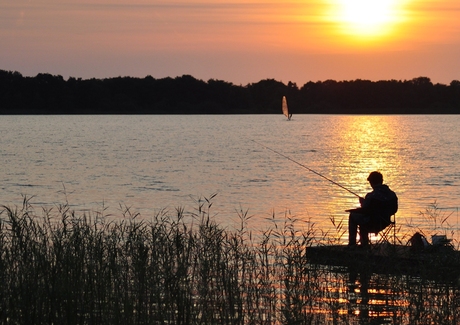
358, 145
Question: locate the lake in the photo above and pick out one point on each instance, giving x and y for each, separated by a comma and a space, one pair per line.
152, 163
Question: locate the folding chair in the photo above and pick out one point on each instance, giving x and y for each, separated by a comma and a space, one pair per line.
388, 234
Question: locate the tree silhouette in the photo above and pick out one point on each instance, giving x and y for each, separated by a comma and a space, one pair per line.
48, 94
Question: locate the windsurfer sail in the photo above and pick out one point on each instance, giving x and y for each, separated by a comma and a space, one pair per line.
285, 108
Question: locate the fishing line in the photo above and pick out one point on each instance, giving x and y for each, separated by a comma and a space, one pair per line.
307, 168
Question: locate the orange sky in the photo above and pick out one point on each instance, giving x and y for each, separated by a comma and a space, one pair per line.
233, 40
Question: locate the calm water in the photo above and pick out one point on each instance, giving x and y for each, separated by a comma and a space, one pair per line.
151, 163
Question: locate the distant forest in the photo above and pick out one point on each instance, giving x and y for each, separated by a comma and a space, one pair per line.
49, 94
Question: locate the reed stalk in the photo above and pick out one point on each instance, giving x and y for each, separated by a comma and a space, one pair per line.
60, 268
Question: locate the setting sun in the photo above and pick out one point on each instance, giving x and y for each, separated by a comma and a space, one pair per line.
364, 19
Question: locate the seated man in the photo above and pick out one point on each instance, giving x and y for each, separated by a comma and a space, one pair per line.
375, 213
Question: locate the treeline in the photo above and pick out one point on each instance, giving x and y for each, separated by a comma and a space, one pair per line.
49, 94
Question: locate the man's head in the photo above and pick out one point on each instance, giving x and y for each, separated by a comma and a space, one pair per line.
375, 178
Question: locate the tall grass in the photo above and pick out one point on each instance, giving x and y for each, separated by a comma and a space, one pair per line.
60, 268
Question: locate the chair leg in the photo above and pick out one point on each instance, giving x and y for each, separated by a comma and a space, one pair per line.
387, 235
394, 234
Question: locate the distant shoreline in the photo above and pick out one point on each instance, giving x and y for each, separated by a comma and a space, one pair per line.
47, 94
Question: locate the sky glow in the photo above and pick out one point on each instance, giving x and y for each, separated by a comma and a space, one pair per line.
236, 41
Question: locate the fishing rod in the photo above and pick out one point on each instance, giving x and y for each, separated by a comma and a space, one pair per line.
307, 168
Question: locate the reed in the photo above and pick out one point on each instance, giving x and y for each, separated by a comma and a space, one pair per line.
441, 222
60, 268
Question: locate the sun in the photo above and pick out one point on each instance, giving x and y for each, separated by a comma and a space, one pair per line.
366, 18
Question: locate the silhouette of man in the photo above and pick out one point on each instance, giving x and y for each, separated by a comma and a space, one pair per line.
375, 212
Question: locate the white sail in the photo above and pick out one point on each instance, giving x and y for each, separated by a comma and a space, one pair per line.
285, 108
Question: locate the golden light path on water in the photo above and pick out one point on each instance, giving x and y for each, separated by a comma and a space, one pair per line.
368, 144
354, 146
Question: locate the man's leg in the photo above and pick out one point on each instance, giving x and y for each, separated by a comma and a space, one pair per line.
364, 236
356, 219
353, 221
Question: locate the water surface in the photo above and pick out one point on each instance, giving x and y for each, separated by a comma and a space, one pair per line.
150, 163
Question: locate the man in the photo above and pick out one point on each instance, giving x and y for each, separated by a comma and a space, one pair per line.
375, 213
